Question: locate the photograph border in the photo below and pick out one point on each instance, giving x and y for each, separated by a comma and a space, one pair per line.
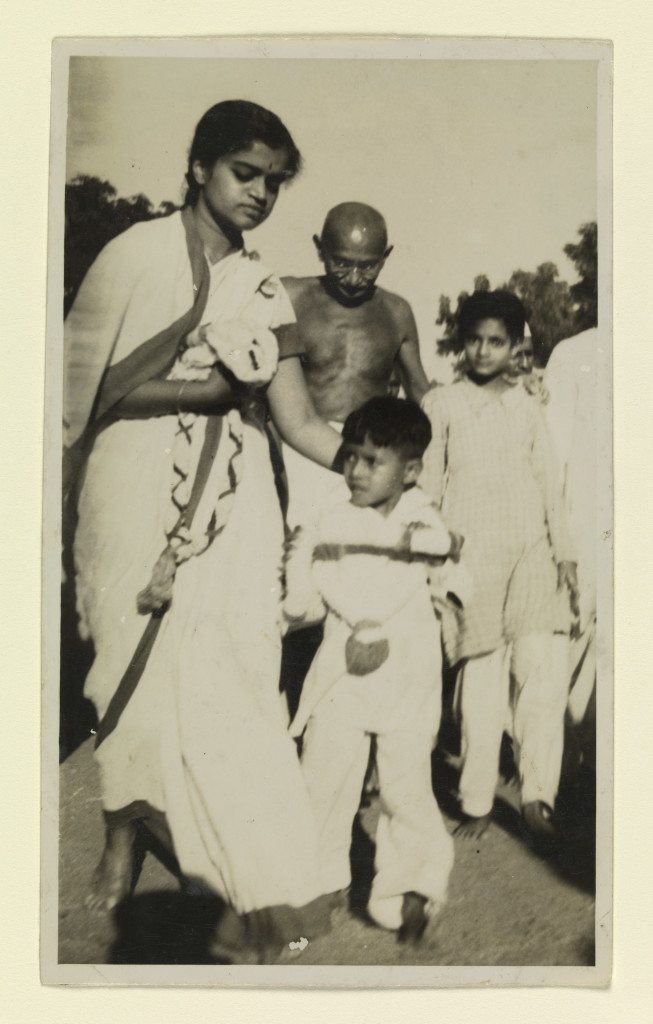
298, 976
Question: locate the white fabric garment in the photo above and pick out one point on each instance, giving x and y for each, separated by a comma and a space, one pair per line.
571, 378
202, 738
491, 469
361, 587
571, 412
530, 677
400, 702
138, 286
414, 851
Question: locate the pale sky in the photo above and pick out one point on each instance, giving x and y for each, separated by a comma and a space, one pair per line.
478, 166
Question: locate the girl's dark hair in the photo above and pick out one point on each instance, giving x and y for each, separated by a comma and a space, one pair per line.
233, 125
390, 423
499, 305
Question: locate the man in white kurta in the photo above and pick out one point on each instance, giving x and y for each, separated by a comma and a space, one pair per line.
368, 568
571, 413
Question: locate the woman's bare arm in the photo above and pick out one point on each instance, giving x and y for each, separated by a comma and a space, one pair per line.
294, 415
168, 397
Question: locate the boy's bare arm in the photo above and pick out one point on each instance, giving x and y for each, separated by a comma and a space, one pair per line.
301, 596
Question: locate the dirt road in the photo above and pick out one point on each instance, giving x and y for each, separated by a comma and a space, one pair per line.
507, 905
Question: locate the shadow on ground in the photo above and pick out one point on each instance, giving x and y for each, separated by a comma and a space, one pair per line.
77, 716
574, 856
165, 928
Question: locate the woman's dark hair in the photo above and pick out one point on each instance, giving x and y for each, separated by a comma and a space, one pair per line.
233, 125
499, 305
389, 423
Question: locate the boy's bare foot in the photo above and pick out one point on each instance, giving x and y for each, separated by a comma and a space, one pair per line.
112, 878
537, 817
413, 918
471, 827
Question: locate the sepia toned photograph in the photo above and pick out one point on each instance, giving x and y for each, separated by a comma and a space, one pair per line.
328, 692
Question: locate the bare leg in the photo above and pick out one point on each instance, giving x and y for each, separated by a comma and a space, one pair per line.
112, 878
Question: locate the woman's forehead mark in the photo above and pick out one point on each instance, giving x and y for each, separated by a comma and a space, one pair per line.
260, 168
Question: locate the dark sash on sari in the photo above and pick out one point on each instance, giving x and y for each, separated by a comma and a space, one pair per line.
139, 659
150, 360
154, 357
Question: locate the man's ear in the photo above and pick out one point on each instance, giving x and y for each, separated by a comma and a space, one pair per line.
412, 471
388, 251
317, 241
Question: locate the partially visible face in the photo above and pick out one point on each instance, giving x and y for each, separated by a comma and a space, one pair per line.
488, 348
377, 476
523, 357
352, 264
240, 189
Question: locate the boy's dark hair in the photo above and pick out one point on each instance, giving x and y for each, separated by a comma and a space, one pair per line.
499, 305
389, 422
233, 125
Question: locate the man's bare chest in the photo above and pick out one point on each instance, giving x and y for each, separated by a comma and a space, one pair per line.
367, 340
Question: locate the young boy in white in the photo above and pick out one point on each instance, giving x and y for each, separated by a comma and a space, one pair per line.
377, 564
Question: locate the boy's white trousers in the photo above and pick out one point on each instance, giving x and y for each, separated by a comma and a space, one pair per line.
531, 679
414, 851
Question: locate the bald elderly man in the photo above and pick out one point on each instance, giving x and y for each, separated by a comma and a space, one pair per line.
356, 337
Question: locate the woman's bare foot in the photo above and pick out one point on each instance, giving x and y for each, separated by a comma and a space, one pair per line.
112, 878
471, 827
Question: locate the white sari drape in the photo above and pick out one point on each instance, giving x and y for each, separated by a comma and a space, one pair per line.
202, 738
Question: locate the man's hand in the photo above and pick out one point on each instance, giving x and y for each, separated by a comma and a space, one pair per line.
568, 577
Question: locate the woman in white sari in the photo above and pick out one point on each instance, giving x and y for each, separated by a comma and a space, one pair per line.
178, 344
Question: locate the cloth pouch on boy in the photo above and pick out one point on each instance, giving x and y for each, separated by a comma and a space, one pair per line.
365, 568
372, 574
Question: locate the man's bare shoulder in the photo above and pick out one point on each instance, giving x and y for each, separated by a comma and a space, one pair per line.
299, 288
397, 305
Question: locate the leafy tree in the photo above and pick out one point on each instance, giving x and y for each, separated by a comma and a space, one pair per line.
584, 256
94, 215
447, 320
554, 309
481, 283
549, 306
